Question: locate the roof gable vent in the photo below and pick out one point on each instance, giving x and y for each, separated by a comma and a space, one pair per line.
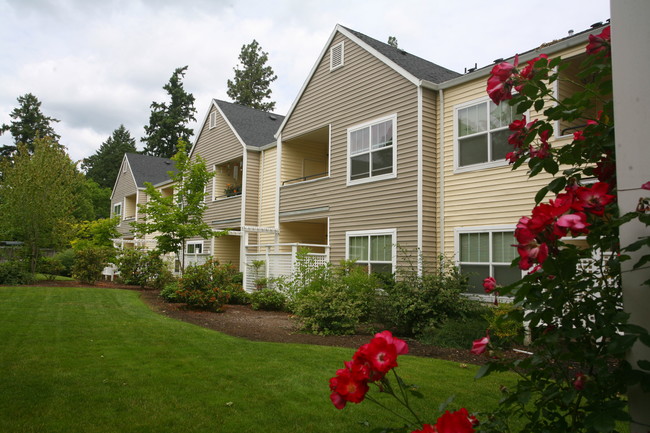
336, 56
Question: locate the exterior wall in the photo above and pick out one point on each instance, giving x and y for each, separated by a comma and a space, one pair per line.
252, 187
124, 186
216, 146
226, 249
430, 175
490, 196
267, 194
364, 89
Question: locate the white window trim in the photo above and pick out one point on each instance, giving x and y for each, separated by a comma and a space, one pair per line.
332, 67
213, 120
378, 232
187, 246
482, 165
480, 229
115, 205
368, 124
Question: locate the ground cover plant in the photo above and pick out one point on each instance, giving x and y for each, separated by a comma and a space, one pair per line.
99, 360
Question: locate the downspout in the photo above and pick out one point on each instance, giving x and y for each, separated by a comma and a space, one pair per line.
441, 170
278, 177
244, 236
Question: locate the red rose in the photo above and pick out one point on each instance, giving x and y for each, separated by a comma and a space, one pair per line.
480, 346
600, 42
489, 284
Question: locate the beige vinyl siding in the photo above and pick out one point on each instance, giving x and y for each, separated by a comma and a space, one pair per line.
252, 188
483, 197
226, 209
226, 249
304, 232
267, 193
302, 160
430, 152
362, 90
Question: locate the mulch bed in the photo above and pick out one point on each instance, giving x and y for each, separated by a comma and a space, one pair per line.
271, 326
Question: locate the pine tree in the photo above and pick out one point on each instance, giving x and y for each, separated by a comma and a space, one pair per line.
392, 41
251, 84
168, 122
104, 165
28, 124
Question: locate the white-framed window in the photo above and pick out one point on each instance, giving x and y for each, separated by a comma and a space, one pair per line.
373, 249
213, 120
337, 53
117, 210
195, 247
481, 134
372, 150
487, 252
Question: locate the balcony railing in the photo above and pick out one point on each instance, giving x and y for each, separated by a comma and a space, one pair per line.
304, 178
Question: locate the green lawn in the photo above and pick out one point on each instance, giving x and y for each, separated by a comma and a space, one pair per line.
98, 360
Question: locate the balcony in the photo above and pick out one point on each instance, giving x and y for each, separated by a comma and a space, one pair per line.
227, 180
306, 157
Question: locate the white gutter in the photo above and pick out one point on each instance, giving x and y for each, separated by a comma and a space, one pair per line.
420, 184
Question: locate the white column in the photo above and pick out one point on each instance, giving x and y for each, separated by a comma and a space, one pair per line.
631, 72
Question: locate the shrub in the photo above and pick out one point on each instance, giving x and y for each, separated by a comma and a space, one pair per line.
268, 299
13, 273
456, 332
50, 267
66, 257
504, 330
330, 310
415, 302
89, 263
170, 292
208, 286
143, 268
237, 294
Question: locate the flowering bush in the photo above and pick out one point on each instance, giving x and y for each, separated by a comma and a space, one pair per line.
369, 367
571, 297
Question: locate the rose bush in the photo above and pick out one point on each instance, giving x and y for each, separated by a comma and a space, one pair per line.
571, 298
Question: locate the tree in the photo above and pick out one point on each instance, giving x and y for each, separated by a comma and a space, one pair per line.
392, 41
38, 196
179, 217
28, 124
168, 122
95, 197
104, 165
251, 83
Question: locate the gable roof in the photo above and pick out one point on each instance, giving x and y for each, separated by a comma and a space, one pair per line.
417, 66
254, 127
147, 168
415, 69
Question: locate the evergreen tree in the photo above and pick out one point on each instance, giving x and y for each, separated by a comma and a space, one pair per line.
392, 41
28, 124
251, 84
168, 122
104, 165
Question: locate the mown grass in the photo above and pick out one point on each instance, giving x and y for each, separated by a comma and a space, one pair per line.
99, 360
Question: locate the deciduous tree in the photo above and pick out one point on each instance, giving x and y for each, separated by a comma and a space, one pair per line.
179, 217
38, 197
251, 85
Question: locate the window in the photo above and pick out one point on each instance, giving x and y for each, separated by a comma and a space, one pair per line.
486, 253
117, 209
372, 249
213, 119
336, 56
195, 247
482, 134
371, 149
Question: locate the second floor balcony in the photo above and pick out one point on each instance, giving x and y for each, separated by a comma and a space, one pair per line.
306, 157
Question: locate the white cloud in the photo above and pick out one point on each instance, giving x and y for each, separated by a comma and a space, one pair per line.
96, 65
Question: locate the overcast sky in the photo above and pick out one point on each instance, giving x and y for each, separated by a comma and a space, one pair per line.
97, 64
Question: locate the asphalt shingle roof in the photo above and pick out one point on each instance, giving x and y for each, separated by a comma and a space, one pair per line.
256, 127
420, 68
146, 168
